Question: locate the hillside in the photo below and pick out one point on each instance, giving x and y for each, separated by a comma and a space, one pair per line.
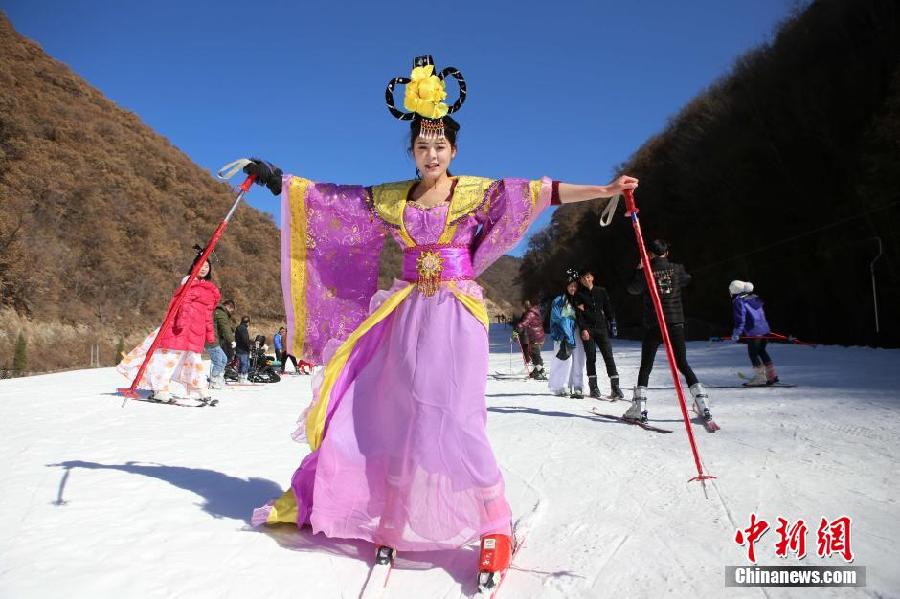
785, 172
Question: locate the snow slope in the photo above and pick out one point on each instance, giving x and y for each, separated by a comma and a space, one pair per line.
144, 500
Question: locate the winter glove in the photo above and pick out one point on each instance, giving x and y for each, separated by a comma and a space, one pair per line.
267, 174
233, 344
515, 335
735, 337
613, 329
565, 351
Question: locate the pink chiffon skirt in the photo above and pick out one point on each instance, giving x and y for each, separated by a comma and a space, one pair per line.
405, 459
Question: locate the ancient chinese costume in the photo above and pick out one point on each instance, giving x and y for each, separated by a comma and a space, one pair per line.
400, 456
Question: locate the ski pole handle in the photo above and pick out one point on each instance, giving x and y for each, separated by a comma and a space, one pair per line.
248, 182
232, 168
630, 206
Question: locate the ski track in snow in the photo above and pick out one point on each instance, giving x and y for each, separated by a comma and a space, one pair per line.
150, 501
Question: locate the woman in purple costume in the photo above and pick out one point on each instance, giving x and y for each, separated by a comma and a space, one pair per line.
400, 457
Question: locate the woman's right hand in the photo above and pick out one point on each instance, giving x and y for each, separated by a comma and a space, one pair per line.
267, 174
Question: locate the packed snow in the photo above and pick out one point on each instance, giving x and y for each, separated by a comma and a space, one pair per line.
105, 497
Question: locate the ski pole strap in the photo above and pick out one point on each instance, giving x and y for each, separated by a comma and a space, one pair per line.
609, 211
232, 168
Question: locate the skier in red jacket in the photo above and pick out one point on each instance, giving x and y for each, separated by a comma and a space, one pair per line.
179, 354
532, 327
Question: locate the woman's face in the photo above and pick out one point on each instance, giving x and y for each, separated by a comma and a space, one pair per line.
204, 270
433, 156
571, 288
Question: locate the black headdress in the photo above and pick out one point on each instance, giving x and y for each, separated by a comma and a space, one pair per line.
429, 110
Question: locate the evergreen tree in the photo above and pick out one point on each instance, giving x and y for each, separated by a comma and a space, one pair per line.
120, 351
20, 357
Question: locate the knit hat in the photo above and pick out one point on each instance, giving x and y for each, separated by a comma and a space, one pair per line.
736, 287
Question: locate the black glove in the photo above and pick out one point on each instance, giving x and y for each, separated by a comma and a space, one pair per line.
267, 174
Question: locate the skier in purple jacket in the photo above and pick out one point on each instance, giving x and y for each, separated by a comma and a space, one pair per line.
750, 323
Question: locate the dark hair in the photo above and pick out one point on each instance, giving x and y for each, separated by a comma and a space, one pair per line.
658, 247
451, 130
194, 263
228, 302
245, 319
586, 271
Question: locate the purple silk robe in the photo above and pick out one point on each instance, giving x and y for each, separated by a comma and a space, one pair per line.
397, 423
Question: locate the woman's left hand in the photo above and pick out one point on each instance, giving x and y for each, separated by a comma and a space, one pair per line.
621, 184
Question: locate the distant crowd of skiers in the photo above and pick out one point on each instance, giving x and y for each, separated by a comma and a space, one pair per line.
582, 321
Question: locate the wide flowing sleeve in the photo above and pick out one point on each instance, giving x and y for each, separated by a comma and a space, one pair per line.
509, 208
330, 246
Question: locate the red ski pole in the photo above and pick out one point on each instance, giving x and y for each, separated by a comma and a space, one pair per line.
769, 337
244, 187
632, 212
790, 339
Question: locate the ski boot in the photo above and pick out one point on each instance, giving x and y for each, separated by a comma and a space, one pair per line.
496, 553
539, 374
771, 375
206, 398
616, 392
701, 401
384, 555
161, 397
577, 393
759, 377
592, 384
638, 409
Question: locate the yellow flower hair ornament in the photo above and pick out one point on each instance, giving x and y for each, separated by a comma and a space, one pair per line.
425, 95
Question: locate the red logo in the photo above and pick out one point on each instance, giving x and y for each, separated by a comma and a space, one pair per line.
834, 537
831, 537
756, 529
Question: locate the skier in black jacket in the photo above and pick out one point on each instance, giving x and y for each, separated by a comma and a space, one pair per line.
596, 322
670, 279
242, 348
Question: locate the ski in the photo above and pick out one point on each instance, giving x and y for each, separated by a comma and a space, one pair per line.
708, 423
643, 425
773, 386
609, 398
508, 376
379, 573
746, 377
175, 401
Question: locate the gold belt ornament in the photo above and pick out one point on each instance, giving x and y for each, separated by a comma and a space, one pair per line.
429, 266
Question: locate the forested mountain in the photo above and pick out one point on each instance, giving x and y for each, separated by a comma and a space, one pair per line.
785, 172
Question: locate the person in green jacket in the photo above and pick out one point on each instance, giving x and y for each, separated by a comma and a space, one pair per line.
223, 351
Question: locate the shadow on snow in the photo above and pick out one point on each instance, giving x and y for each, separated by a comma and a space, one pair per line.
223, 496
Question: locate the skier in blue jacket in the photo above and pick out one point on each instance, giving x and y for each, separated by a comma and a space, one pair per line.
751, 325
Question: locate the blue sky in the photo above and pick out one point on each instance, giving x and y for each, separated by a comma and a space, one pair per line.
566, 89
